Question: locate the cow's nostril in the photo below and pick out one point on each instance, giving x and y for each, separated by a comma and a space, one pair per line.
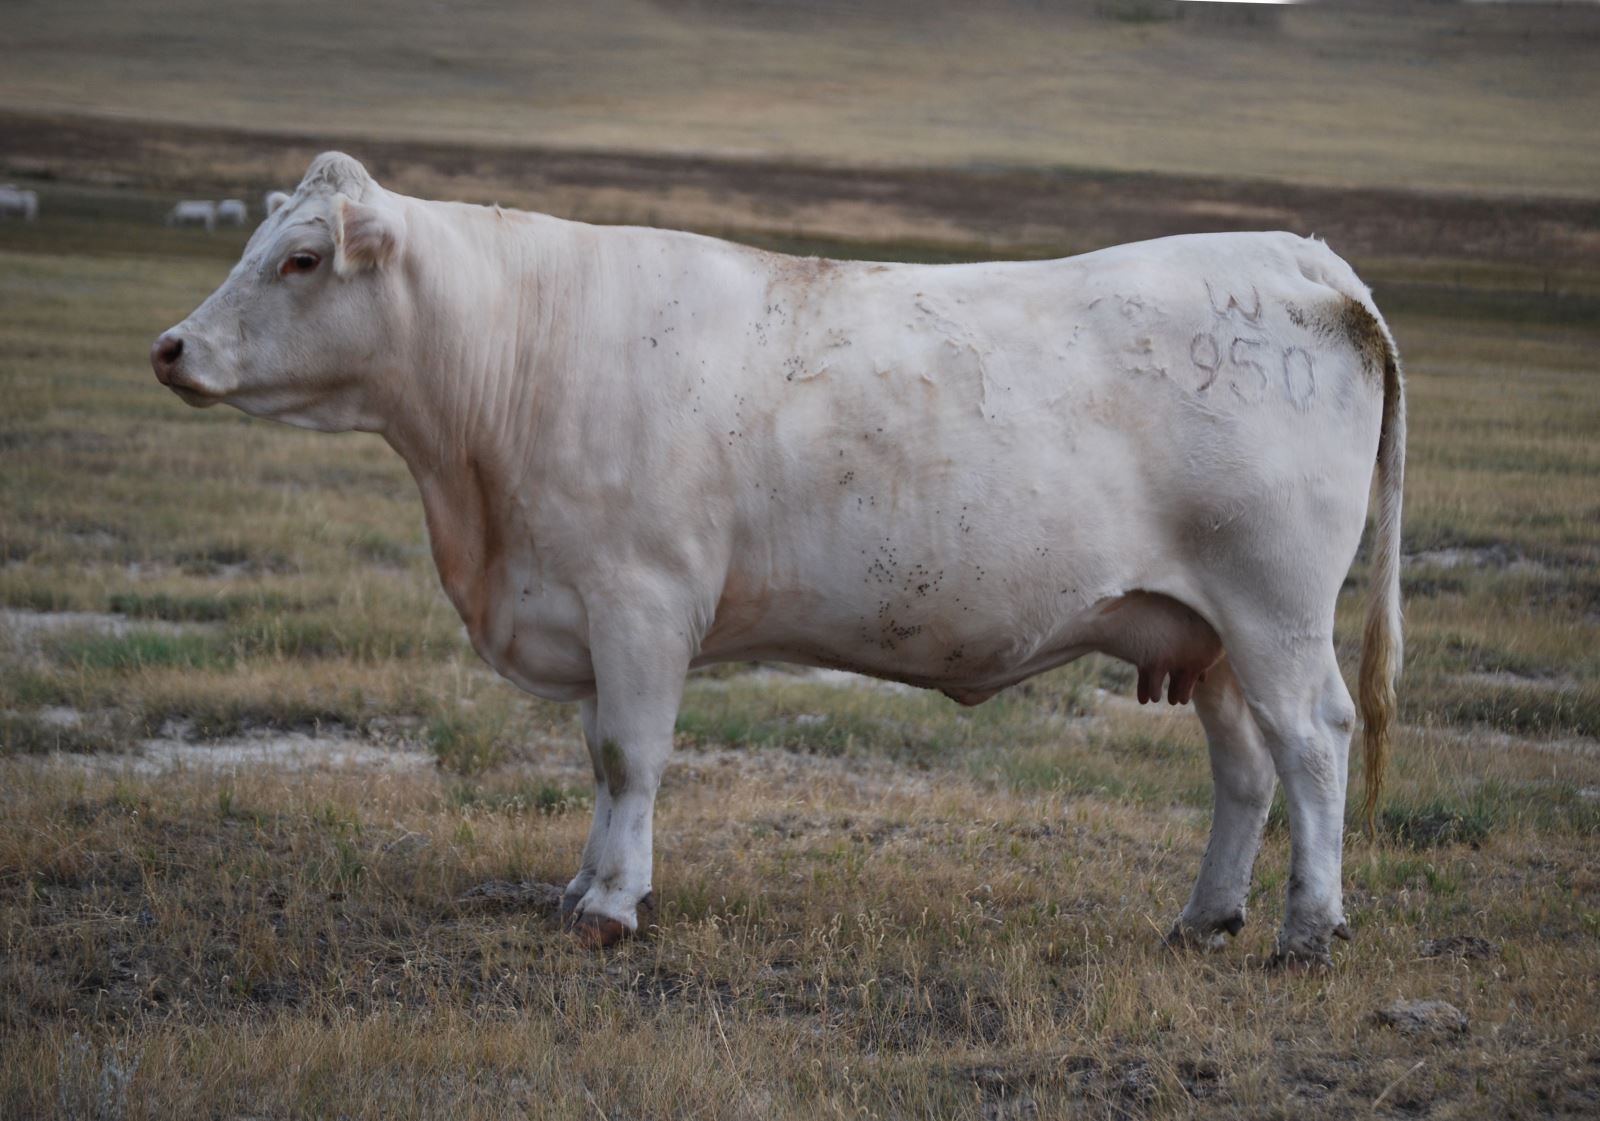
164, 356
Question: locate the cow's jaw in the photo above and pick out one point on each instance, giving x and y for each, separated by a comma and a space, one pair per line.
193, 397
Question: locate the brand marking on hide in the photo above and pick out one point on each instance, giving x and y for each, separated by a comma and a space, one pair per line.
1299, 376
1231, 307
1207, 358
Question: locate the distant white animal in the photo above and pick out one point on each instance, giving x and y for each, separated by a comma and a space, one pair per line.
642, 451
18, 203
194, 212
232, 210
272, 201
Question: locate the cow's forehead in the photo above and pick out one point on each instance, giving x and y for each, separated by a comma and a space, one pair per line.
308, 214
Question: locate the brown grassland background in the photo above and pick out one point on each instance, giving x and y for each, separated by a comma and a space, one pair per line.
251, 773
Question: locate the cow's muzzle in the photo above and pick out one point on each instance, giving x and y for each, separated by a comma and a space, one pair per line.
165, 353
166, 356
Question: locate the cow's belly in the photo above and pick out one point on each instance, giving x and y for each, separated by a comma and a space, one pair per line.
972, 646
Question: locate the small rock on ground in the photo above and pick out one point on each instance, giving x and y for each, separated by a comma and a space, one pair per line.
1415, 1017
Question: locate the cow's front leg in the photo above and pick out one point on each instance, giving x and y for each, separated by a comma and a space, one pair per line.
638, 692
602, 814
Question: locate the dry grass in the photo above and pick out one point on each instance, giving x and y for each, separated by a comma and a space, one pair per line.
872, 903
834, 937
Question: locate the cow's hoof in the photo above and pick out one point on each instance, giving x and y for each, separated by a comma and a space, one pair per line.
1301, 955
569, 905
1300, 961
1307, 952
597, 931
1182, 937
1204, 934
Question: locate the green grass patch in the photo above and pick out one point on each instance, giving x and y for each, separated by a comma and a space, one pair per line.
213, 608
141, 650
1432, 822
469, 741
351, 636
1388, 870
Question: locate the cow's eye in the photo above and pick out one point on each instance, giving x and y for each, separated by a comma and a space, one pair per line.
299, 262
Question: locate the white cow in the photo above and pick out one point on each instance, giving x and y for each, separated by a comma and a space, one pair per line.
642, 451
272, 201
194, 212
15, 202
232, 210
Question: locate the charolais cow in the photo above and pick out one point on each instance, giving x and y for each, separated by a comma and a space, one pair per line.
193, 212
232, 210
19, 202
641, 451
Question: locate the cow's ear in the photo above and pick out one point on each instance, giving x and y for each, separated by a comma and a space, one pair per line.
364, 237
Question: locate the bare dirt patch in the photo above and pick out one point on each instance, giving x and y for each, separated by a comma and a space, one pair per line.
1496, 557
28, 626
256, 750
807, 675
1506, 679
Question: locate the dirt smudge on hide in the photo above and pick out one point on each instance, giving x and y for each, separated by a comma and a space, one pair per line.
792, 285
615, 767
1366, 334
1348, 321
798, 274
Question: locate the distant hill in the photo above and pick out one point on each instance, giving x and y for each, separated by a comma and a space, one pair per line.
1490, 98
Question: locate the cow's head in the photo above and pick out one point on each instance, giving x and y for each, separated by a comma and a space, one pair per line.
303, 329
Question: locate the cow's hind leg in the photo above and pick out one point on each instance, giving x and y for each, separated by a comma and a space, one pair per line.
1300, 703
602, 813
1243, 781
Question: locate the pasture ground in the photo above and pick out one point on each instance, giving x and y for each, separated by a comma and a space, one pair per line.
250, 775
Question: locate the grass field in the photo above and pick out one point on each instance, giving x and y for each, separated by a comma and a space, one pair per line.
253, 781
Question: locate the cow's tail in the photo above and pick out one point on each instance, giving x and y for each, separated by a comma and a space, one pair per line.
1381, 640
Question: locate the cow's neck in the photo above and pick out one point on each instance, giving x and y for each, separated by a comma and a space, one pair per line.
465, 416
471, 366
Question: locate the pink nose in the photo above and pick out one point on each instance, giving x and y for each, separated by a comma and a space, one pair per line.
164, 355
